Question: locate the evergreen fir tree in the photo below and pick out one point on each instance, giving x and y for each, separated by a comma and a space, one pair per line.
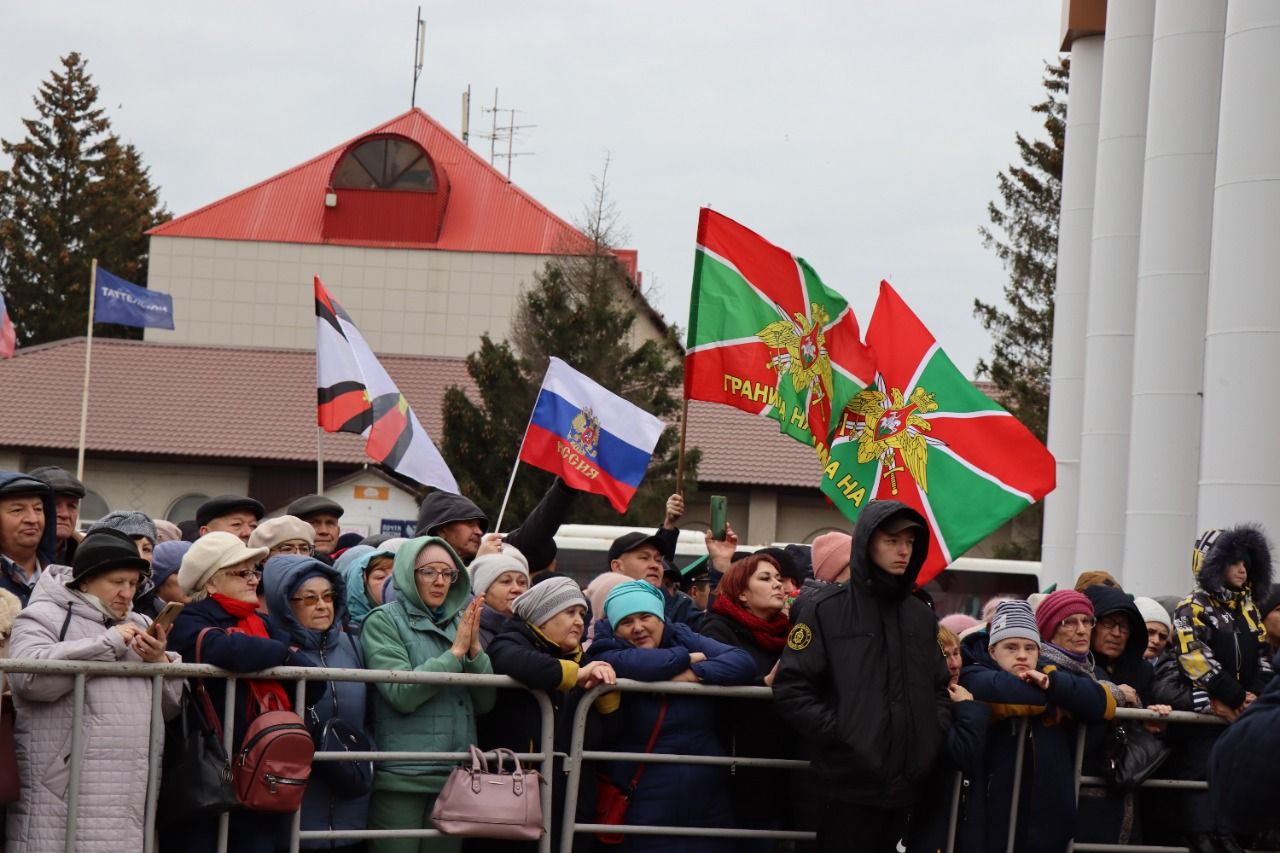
74, 191
581, 309
1024, 235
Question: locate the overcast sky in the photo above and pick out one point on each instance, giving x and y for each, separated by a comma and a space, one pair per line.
864, 137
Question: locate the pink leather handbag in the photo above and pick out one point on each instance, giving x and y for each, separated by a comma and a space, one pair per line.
476, 803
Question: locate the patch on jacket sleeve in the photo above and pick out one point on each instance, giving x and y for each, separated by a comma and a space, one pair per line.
800, 637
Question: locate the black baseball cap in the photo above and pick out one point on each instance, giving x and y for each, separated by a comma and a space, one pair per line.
631, 541
900, 521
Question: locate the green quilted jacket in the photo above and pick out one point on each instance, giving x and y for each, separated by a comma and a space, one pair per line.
405, 635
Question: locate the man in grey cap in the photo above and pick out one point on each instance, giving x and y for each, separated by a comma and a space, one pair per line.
27, 539
67, 494
235, 514
322, 514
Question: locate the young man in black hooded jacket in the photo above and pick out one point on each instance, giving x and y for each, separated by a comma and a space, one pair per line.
863, 680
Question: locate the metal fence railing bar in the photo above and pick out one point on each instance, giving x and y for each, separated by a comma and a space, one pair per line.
82, 670
573, 760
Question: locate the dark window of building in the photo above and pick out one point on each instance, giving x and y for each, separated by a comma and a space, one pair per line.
385, 163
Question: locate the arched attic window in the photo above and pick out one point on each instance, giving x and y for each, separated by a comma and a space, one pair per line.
385, 163
385, 190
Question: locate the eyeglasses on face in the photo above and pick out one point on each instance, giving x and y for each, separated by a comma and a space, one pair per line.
290, 548
429, 574
245, 574
311, 599
1077, 622
1115, 626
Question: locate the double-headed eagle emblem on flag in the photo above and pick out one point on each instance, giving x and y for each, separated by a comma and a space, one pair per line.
887, 426
584, 437
803, 350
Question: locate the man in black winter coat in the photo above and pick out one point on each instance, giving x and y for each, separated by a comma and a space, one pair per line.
863, 680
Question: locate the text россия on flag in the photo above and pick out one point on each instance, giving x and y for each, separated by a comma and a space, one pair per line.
595, 440
126, 304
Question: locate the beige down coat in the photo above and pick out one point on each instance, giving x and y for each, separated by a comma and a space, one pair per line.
113, 775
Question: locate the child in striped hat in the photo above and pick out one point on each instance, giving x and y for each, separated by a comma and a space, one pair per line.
1032, 701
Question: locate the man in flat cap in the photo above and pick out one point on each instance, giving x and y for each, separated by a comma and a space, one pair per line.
67, 494
234, 514
27, 536
322, 514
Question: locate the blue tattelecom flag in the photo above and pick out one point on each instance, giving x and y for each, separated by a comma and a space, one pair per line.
119, 301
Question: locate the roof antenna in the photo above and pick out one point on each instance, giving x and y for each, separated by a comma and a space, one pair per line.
419, 47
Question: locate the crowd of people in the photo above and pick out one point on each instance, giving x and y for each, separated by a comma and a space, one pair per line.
889, 703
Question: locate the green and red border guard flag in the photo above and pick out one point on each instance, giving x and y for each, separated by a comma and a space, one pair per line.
924, 435
766, 335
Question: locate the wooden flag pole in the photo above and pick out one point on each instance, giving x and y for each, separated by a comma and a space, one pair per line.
684, 427
88, 353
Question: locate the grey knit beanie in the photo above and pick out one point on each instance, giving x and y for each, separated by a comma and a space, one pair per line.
132, 524
547, 599
1013, 620
487, 568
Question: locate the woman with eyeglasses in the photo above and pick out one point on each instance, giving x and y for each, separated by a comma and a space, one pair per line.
432, 625
1118, 642
307, 601
220, 574
280, 536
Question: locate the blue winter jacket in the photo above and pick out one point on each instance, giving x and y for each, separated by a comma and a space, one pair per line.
322, 809
673, 795
1046, 812
47, 549
1243, 759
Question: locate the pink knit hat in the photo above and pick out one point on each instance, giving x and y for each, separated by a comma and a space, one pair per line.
958, 623
831, 553
1059, 605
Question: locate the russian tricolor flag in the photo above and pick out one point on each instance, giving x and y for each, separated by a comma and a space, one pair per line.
595, 440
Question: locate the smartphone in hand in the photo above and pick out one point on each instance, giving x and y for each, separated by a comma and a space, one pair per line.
166, 617
719, 509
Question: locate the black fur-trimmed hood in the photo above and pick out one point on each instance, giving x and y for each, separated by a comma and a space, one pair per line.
1217, 549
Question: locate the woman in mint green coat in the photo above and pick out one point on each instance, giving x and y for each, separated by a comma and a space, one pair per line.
429, 627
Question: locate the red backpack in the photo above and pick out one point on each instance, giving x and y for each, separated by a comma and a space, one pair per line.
273, 763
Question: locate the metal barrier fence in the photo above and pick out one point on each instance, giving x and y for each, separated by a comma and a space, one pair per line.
1138, 715
577, 755
82, 670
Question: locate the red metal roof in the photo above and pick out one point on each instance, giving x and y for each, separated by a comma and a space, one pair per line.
485, 213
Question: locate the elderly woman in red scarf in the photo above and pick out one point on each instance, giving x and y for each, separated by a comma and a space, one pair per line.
221, 576
748, 613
